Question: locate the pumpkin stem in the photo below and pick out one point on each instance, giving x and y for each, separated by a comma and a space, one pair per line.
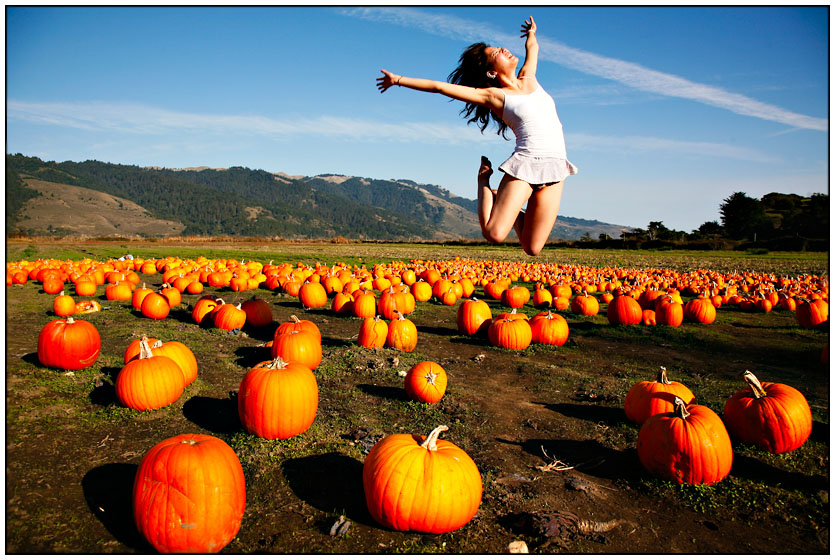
431, 441
70, 321
681, 408
295, 319
144, 349
662, 376
755, 384
277, 363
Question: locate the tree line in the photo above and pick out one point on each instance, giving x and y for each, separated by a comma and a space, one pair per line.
777, 221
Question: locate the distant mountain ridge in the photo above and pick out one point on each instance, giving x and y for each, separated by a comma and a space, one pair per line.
157, 201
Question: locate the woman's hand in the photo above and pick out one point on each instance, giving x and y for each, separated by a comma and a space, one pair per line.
387, 80
529, 28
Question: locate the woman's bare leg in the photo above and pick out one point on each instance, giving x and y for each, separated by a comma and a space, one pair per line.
501, 212
542, 210
486, 195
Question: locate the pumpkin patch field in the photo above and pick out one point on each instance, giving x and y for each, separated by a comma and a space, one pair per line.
246, 396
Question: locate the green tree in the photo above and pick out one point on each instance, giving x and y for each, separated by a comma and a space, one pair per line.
744, 217
657, 230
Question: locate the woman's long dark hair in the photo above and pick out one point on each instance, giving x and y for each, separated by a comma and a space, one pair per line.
472, 71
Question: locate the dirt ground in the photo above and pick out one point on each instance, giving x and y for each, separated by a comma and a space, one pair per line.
72, 451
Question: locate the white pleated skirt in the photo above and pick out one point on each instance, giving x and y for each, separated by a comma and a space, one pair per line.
538, 170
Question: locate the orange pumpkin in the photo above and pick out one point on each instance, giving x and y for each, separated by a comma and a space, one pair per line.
138, 295
423, 484
68, 344
773, 416
181, 354
278, 400
402, 334
229, 317
689, 445
624, 310
258, 312
149, 382
648, 398
312, 295
373, 333
473, 315
298, 347
189, 495
426, 382
155, 306
204, 308
296, 324
548, 328
63, 305
509, 332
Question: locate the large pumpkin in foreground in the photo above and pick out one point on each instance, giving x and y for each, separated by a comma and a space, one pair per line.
416, 483
68, 344
689, 445
773, 416
189, 495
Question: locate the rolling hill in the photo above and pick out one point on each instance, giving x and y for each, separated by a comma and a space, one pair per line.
93, 198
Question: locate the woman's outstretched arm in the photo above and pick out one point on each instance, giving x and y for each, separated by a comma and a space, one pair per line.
488, 97
531, 49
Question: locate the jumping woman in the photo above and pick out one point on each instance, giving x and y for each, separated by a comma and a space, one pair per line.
486, 81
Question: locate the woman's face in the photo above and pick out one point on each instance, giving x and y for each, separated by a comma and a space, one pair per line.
500, 58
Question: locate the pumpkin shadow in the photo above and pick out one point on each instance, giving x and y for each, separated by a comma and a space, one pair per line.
820, 432
384, 392
180, 314
32, 358
108, 491
755, 470
440, 331
584, 326
104, 393
588, 456
264, 333
336, 342
249, 356
609, 415
331, 483
219, 416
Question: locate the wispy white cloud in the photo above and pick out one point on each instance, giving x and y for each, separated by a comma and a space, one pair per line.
138, 120
664, 146
628, 73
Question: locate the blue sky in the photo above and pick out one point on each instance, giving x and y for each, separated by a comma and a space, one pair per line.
666, 110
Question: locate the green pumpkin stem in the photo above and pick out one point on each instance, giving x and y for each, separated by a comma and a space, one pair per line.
681, 408
755, 384
431, 441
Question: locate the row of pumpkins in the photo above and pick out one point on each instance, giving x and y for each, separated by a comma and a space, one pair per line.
448, 281
679, 439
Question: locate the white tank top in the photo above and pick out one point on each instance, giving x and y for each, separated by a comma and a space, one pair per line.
533, 119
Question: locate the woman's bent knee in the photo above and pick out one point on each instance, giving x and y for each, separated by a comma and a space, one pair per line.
532, 251
495, 235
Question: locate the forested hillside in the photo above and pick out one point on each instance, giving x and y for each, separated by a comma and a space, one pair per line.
237, 201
